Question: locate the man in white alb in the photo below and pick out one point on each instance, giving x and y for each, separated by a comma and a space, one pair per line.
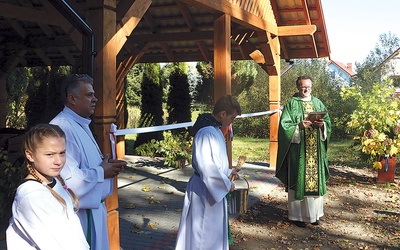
86, 171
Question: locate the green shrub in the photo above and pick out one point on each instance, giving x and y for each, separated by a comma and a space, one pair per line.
175, 148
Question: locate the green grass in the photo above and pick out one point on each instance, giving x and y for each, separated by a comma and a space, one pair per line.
255, 149
340, 152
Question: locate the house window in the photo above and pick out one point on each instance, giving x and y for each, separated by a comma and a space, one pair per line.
333, 74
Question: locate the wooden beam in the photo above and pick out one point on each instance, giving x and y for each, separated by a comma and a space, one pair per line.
308, 22
268, 46
257, 56
167, 51
238, 15
248, 49
67, 55
43, 57
28, 14
274, 103
204, 51
66, 26
122, 8
186, 16
11, 64
47, 30
297, 30
150, 22
130, 21
101, 16
17, 27
192, 27
222, 64
222, 56
172, 37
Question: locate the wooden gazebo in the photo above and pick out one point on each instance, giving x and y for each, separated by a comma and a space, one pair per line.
106, 38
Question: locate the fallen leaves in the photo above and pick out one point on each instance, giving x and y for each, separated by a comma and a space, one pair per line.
129, 206
358, 214
146, 188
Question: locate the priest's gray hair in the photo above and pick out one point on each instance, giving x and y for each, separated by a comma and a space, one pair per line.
72, 83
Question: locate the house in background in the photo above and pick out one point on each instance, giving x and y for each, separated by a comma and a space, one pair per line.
345, 72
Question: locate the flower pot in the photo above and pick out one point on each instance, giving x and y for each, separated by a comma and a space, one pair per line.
180, 164
386, 174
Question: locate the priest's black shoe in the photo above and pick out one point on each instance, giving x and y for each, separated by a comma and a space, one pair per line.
315, 223
299, 223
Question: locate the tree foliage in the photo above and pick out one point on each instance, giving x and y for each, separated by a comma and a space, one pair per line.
16, 97
151, 108
44, 101
253, 98
243, 76
204, 90
179, 99
325, 88
132, 85
387, 44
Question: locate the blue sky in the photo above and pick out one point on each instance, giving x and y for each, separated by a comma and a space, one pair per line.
354, 26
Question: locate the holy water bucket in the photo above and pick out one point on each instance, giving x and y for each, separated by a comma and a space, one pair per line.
239, 197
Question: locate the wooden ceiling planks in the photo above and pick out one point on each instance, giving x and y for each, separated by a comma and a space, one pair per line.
165, 30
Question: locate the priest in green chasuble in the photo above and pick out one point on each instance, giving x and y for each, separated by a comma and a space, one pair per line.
302, 162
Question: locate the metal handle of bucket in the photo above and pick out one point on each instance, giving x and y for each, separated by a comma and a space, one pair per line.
248, 186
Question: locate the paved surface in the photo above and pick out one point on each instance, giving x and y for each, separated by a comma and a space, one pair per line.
151, 199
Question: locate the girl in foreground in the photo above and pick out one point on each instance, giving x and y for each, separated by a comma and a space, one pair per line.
44, 208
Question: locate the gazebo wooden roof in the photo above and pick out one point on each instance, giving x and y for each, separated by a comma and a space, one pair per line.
105, 38
35, 33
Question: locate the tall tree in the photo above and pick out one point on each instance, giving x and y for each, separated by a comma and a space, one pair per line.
17, 84
326, 88
204, 91
243, 75
254, 97
179, 99
133, 84
151, 109
387, 44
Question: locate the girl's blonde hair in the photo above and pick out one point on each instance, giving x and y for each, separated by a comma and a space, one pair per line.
33, 138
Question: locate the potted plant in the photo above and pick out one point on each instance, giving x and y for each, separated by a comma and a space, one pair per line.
376, 124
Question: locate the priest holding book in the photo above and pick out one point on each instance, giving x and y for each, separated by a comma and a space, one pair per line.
302, 162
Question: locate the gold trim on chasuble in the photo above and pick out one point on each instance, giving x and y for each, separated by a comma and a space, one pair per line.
311, 165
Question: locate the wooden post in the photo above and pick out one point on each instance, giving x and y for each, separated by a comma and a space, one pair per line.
222, 65
274, 103
101, 16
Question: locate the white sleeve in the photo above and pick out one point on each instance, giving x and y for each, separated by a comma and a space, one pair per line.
210, 160
43, 220
87, 182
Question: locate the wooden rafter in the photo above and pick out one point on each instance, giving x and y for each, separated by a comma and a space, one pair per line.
237, 14
192, 27
130, 21
308, 22
176, 29
297, 30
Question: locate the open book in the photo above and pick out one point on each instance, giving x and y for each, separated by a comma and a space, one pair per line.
313, 116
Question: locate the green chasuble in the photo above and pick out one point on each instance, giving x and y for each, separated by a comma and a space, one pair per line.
303, 167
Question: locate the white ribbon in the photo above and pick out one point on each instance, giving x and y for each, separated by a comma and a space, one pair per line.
113, 130
179, 125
